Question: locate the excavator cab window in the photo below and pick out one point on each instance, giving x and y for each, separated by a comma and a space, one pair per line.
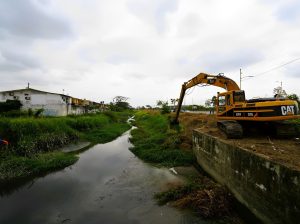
239, 96
221, 101
228, 103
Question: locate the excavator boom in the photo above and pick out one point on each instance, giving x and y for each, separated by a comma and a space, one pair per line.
215, 80
203, 78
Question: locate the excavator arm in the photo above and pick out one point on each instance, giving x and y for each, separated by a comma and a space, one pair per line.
203, 78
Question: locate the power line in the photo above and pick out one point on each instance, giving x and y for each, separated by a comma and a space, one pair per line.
276, 67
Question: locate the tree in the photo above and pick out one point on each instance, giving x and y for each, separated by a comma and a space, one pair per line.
293, 96
119, 103
214, 101
211, 102
165, 109
117, 99
173, 101
159, 103
279, 92
208, 103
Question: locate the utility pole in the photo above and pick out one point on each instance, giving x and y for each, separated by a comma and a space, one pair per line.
240, 78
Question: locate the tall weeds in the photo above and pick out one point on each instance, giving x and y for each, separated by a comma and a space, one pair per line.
155, 142
33, 142
28, 136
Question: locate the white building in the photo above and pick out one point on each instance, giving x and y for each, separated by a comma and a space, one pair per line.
54, 104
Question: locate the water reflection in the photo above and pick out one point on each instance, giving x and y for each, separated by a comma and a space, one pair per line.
107, 185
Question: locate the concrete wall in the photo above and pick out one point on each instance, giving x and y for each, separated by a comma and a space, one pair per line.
270, 190
77, 110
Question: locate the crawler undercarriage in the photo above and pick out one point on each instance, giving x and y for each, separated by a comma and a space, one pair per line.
278, 129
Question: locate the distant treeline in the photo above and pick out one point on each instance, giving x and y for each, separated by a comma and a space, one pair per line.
196, 108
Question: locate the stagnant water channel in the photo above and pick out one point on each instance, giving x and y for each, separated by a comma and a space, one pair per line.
108, 184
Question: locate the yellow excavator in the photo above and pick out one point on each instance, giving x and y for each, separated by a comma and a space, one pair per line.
235, 113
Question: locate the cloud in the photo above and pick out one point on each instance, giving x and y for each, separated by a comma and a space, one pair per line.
31, 20
222, 61
190, 25
136, 76
289, 11
227, 61
154, 11
293, 70
16, 61
144, 49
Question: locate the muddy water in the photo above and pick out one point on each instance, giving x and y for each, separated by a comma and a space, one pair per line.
107, 185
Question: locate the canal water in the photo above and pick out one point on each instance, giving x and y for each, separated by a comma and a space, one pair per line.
108, 184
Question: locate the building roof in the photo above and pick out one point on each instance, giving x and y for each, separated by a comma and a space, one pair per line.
18, 90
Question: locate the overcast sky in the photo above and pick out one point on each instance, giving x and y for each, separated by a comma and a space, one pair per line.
145, 50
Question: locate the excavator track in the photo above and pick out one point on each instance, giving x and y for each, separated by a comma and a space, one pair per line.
231, 128
285, 129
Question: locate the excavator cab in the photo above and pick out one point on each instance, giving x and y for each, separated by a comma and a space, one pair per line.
221, 102
239, 96
228, 100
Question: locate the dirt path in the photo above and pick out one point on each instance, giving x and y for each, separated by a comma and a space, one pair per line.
284, 151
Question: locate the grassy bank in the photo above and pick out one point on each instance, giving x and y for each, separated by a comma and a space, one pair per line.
34, 141
13, 166
156, 143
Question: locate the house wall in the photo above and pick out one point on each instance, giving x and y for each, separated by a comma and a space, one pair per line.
53, 104
77, 110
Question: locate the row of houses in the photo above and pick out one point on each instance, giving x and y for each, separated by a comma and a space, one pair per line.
53, 104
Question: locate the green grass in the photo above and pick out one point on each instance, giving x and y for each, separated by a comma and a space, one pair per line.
156, 143
28, 136
109, 133
12, 167
34, 141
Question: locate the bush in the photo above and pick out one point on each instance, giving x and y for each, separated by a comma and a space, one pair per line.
165, 109
10, 105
